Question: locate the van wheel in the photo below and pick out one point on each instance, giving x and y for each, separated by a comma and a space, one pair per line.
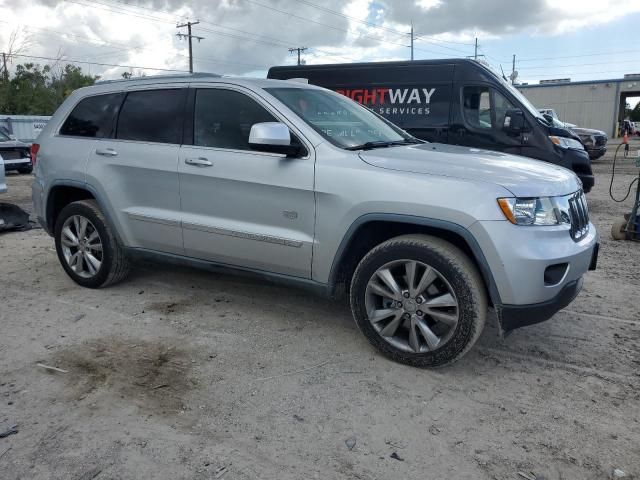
419, 300
87, 248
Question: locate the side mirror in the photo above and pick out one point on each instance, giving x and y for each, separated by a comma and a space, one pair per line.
273, 137
514, 122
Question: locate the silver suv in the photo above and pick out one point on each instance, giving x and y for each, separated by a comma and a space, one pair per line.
301, 184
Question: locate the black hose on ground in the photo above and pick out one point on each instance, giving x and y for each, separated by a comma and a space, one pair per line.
613, 174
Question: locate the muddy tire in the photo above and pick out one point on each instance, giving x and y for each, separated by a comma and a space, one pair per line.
87, 248
419, 300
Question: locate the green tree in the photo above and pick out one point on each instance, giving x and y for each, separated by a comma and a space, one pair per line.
634, 116
36, 90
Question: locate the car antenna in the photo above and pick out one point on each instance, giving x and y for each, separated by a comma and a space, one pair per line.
503, 75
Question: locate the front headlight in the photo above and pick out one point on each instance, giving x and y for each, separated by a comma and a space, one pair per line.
536, 211
564, 142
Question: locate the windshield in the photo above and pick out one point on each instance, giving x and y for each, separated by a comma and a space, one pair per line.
3, 137
523, 100
338, 119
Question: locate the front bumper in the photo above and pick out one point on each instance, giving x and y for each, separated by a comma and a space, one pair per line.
520, 259
596, 152
516, 316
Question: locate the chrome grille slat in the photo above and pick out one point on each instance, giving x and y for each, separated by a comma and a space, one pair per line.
579, 213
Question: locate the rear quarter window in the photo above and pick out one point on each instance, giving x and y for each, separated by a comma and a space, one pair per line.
93, 116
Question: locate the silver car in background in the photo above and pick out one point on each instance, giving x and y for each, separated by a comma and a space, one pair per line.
304, 186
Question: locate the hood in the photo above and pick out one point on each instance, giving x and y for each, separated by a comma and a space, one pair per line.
587, 131
522, 176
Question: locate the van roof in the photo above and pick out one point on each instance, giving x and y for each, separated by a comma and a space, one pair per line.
394, 63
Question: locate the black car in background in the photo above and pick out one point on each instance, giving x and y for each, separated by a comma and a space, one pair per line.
594, 141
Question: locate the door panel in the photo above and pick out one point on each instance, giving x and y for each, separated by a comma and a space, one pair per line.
140, 184
248, 209
241, 207
136, 173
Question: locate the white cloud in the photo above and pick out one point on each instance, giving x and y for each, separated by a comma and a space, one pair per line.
244, 36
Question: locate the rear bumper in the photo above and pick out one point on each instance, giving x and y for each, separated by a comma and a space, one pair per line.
16, 164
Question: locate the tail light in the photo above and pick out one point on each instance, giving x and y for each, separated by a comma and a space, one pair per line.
34, 153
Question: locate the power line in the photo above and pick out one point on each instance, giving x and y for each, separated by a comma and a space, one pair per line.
331, 26
96, 63
271, 40
578, 56
375, 25
580, 64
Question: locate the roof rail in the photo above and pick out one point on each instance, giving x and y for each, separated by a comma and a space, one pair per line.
160, 77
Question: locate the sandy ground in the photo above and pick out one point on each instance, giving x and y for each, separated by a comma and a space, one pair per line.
183, 374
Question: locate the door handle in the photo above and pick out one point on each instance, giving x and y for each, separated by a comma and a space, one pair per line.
106, 152
198, 162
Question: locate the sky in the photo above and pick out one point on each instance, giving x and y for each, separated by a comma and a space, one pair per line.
577, 39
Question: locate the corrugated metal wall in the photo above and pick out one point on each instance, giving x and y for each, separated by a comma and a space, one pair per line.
585, 105
26, 128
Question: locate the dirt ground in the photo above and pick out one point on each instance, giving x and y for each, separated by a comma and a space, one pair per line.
183, 374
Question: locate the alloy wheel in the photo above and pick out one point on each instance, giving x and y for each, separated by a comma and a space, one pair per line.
412, 306
81, 246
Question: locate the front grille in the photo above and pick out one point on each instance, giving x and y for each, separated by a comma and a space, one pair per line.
579, 215
601, 140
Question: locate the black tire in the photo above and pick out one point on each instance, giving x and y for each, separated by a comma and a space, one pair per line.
458, 270
115, 264
26, 170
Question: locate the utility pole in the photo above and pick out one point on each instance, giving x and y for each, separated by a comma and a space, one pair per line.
5, 72
475, 55
189, 37
513, 70
411, 41
299, 50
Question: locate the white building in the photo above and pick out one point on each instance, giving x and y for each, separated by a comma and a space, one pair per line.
595, 104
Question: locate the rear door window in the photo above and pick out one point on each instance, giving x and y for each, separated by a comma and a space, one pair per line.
477, 107
93, 117
152, 116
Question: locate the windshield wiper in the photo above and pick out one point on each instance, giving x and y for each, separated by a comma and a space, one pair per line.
383, 144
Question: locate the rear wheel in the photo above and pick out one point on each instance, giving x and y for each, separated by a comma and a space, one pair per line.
419, 300
86, 247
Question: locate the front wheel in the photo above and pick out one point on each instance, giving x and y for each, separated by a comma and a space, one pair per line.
86, 246
419, 300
